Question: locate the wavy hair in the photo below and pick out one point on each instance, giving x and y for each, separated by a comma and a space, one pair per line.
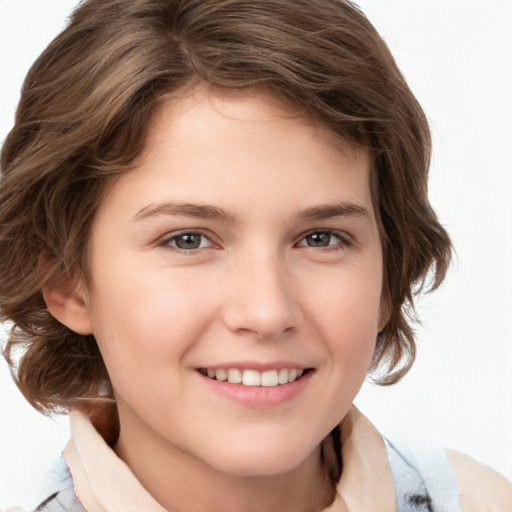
82, 119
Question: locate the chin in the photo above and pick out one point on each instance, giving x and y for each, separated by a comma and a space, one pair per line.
261, 459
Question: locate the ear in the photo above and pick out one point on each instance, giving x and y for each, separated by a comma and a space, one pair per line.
67, 305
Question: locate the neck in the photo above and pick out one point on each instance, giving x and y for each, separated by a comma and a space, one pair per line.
181, 482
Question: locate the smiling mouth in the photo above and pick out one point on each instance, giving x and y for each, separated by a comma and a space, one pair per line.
248, 377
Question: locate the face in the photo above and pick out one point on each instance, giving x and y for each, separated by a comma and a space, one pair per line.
236, 283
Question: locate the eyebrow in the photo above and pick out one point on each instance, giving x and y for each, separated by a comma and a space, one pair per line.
204, 211
198, 211
328, 211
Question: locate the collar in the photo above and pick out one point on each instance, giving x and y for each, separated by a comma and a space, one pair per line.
104, 483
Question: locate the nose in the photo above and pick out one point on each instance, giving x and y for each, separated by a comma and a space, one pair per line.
260, 298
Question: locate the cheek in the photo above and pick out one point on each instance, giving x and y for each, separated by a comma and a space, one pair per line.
345, 317
146, 323
349, 303
347, 314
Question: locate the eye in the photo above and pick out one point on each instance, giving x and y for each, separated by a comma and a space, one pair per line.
320, 239
187, 241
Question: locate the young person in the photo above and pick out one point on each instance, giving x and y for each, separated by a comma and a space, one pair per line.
213, 220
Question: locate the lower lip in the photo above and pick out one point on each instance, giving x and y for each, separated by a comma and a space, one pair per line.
258, 396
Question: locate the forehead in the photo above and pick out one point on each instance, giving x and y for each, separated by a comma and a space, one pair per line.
211, 146
200, 108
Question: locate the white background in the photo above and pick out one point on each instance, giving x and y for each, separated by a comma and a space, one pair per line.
457, 59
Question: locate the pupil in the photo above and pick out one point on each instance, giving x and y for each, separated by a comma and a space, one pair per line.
188, 241
318, 239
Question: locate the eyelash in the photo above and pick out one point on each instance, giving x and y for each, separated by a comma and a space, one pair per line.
343, 240
173, 237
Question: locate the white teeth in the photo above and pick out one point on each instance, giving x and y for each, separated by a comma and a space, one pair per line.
283, 376
251, 378
234, 376
268, 378
221, 375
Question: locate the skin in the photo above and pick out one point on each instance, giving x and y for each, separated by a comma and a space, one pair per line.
259, 288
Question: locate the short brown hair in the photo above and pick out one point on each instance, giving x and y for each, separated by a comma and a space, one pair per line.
82, 118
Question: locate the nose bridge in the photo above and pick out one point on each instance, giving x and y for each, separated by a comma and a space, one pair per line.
261, 298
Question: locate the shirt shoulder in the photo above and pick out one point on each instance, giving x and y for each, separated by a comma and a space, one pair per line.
481, 489
59, 491
63, 501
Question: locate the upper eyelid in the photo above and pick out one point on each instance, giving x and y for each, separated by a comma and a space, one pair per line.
171, 235
347, 237
344, 235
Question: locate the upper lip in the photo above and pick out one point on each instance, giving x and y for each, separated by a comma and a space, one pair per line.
255, 365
